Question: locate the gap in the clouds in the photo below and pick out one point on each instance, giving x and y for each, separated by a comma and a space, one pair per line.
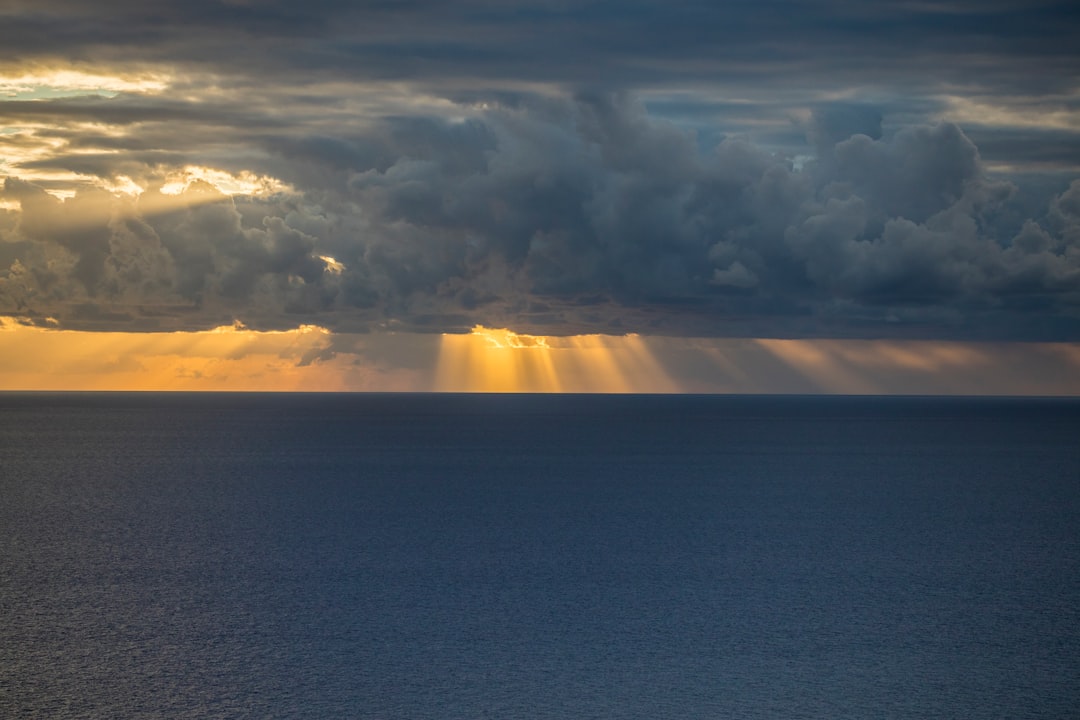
52, 84
244, 182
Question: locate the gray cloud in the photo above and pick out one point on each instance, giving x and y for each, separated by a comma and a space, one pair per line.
723, 68
643, 41
568, 214
678, 167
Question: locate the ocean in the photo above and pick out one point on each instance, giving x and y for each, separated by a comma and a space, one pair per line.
512, 556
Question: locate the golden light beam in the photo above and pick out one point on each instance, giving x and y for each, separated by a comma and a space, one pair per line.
930, 367
500, 360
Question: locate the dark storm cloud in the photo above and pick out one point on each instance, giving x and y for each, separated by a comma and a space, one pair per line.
155, 255
568, 215
777, 167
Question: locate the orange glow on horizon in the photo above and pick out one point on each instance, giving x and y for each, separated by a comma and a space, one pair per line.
227, 358
310, 358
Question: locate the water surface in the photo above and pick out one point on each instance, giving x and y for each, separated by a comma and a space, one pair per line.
448, 556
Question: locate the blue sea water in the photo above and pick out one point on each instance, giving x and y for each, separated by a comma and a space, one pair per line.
452, 556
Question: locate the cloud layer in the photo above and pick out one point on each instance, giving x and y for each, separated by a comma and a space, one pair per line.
782, 169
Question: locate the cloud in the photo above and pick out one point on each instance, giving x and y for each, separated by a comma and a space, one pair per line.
846, 40
775, 168
585, 212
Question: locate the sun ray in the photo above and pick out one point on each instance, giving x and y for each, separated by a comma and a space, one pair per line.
501, 360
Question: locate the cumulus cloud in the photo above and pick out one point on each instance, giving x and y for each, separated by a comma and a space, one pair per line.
565, 214
771, 168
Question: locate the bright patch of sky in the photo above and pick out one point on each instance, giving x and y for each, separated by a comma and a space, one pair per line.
52, 84
242, 183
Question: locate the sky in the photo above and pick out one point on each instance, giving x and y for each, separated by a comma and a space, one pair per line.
767, 196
